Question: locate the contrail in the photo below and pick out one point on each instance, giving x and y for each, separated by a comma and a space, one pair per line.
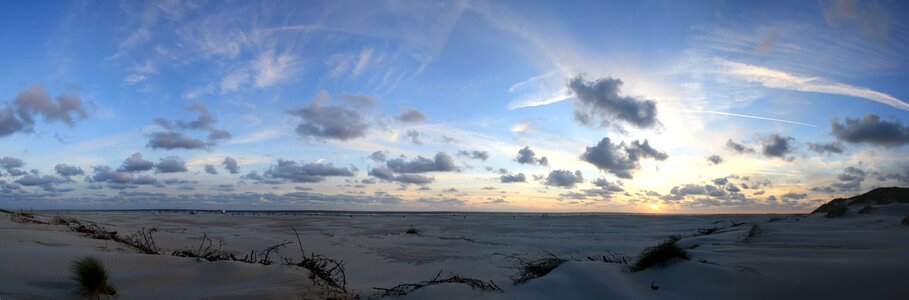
745, 116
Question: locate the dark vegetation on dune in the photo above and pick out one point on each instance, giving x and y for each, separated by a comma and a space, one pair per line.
535, 268
405, 288
660, 254
837, 211
91, 277
905, 220
878, 196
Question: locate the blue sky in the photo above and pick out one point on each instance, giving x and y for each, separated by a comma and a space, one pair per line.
647, 106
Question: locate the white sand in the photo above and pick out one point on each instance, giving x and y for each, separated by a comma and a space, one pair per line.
858, 256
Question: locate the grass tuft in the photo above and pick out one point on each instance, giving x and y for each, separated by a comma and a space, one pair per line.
92, 277
659, 254
535, 268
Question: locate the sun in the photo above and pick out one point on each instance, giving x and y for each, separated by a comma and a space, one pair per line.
654, 206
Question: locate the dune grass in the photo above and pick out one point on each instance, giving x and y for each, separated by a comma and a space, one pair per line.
659, 254
92, 277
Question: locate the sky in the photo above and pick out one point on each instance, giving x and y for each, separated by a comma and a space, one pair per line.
599, 106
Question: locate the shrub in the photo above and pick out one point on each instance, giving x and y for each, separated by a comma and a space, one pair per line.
405, 288
536, 268
837, 211
659, 254
866, 209
91, 275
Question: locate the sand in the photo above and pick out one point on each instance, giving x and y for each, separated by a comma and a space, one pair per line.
792, 257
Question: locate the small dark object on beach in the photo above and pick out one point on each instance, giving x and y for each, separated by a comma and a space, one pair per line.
906, 220
654, 287
412, 230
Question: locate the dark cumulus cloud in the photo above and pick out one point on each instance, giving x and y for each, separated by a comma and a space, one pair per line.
777, 146
621, 159
850, 180
104, 174
210, 169
739, 148
826, 148
511, 178
12, 165
384, 173
474, 154
170, 164
68, 170
19, 114
528, 156
175, 137
715, 159
135, 163
288, 170
871, 130
145, 180
378, 156
171, 140
319, 121
231, 165
563, 178
411, 115
599, 101
441, 162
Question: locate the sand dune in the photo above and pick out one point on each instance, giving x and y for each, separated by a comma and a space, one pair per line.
790, 257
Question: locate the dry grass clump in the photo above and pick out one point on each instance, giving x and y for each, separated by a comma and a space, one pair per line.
92, 277
263, 257
412, 230
754, 231
142, 240
405, 288
659, 254
206, 251
610, 257
535, 268
328, 271
24, 218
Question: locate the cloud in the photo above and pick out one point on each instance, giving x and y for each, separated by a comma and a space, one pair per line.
45, 181
326, 122
145, 180
821, 148
173, 140
527, 156
778, 146
271, 69
385, 173
358, 100
378, 156
170, 164
715, 159
510, 178
19, 115
738, 147
414, 137
781, 80
474, 154
410, 116
135, 163
288, 170
563, 178
797, 196
210, 169
231, 165
871, 130
850, 180
442, 162
68, 170
106, 174
622, 159
600, 101
11, 163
